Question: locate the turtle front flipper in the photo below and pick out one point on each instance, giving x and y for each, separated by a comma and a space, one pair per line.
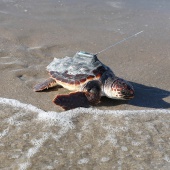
72, 100
90, 95
92, 91
45, 85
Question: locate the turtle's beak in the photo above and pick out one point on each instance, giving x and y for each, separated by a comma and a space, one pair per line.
128, 93
124, 90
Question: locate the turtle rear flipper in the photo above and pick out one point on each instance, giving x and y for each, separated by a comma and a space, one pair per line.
45, 85
72, 100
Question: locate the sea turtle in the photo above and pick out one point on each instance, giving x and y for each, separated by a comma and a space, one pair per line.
88, 77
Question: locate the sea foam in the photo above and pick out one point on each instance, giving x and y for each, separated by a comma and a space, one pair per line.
66, 116
64, 123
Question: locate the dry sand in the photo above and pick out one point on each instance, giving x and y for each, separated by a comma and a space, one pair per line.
33, 33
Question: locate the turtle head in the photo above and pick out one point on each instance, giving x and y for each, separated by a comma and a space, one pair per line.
120, 89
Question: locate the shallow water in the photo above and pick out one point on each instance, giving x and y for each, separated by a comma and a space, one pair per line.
83, 138
33, 33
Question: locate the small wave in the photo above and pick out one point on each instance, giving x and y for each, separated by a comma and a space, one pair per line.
64, 119
72, 113
117, 5
3, 12
35, 128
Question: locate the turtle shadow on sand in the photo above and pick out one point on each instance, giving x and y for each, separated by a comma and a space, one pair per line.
145, 96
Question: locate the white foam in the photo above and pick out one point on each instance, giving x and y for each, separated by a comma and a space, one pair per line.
105, 159
124, 148
4, 132
87, 146
64, 121
36, 47
134, 143
37, 144
24, 165
166, 158
62, 131
3, 12
83, 161
117, 5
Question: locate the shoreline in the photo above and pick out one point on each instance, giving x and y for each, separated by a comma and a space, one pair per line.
132, 137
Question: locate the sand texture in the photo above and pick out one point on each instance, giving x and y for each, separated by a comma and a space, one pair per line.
120, 135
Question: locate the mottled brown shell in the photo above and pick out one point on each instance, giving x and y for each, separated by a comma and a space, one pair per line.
78, 69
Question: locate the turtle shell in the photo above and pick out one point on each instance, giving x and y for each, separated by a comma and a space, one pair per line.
77, 69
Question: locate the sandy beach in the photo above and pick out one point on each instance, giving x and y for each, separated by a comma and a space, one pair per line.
126, 135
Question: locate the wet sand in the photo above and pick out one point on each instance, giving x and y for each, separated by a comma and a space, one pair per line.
34, 32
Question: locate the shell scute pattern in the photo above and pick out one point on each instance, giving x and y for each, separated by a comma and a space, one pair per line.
77, 69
